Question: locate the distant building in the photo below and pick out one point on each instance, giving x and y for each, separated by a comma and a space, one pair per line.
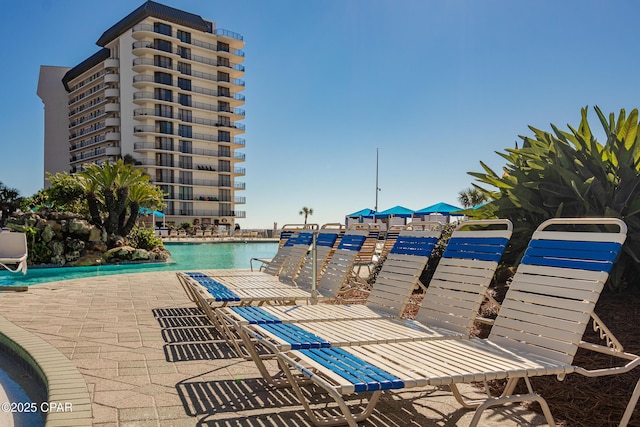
165, 88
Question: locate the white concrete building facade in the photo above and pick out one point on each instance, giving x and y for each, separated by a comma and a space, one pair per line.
164, 90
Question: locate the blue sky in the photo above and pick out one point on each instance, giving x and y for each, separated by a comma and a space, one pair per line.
437, 86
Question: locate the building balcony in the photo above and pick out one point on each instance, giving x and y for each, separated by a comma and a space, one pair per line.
240, 200
112, 63
143, 97
142, 31
112, 78
191, 182
112, 93
112, 136
239, 171
142, 64
111, 107
205, 213
240, 157
146, 47
144, 113
152, 146
112, 122
239, 185
142, 129
141, 81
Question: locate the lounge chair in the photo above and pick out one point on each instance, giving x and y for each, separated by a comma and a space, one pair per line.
335, 276
287, 231
537, 332
366, 255
389, 240
449, 308
14, 251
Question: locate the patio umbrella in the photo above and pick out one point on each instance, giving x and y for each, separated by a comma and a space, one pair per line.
397, 211
439, 208
147, 211
365, 213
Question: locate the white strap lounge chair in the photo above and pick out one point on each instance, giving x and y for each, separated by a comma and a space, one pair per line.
14, 251
450, 305
537, 332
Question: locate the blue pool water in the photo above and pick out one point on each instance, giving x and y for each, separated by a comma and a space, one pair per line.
186, 256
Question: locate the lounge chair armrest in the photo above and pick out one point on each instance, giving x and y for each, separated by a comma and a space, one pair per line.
606, 334
485, 320
634, 361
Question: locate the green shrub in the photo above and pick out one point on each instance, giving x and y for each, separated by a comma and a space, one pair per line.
144, 238
571, 174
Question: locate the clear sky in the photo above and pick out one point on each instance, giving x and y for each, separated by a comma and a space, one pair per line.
436, 85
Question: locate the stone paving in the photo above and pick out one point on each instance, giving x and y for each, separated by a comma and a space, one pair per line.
150, 358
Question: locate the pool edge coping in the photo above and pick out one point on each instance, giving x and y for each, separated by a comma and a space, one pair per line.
63, 381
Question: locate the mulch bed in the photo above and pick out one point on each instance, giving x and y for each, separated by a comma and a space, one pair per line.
583, 401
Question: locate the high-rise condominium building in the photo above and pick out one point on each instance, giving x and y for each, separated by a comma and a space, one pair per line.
165, 91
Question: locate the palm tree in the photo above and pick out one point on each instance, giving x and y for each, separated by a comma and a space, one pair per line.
471, 197
306, 212
114, 193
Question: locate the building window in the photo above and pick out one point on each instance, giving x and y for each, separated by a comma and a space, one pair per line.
162, 61
223, 47
184, 84
185, 115
184, 52
167, 190
160, 28
224, 195
164, 127
224, 180
162, 45
224, 106
224, 91
186, 177
186, 193
224, 136
162, 78
184, 36
185, 147
224, 121
224, 151
185, 131
224, 165
223, 62
163, 94
164, 143
223, 77
164, 159
184, 99
185, 162
164, 110
184, 68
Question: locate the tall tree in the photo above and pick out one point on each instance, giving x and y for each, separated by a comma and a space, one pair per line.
306, 212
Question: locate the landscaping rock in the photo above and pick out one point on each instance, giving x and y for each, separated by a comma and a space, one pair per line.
79, 227
48, 234
139, 254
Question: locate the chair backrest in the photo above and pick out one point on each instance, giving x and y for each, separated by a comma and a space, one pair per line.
298, 252
459, 284
13, 246
340, 266
557, 284
368, 249
390, 239
325, 247
400, 272
289, 229
275, 265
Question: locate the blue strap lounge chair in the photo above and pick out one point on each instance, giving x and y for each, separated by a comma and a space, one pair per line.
537, 332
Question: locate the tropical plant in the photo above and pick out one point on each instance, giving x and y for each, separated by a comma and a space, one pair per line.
115, 192
571, 174
471, 197
9, 201
306, 212
144, 238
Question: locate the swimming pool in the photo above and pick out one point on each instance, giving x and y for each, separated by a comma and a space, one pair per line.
187, 256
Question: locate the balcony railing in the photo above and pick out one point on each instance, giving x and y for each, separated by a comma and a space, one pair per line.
195, 182
176, 149
227, 33
196, 89
190, 135
190, 56
198, 105
196, 120
196, 42
205, 213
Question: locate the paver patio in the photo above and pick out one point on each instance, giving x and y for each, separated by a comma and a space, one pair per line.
150, 358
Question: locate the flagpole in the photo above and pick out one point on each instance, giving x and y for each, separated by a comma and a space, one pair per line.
377, 187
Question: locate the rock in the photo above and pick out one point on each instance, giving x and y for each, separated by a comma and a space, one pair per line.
72, 256
48, 234
139, 254
74, 244
58, 259
95, 234
79, 227
57, 249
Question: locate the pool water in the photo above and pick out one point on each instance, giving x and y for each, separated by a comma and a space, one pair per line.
187, 256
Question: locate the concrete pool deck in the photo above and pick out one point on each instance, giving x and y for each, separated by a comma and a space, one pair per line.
150, 358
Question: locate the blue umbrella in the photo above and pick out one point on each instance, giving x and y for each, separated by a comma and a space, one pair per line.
147, 211
439, 208
397, 211
365, 213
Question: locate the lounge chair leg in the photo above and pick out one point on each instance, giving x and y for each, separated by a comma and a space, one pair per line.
500, 401
347, 416
626, 417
